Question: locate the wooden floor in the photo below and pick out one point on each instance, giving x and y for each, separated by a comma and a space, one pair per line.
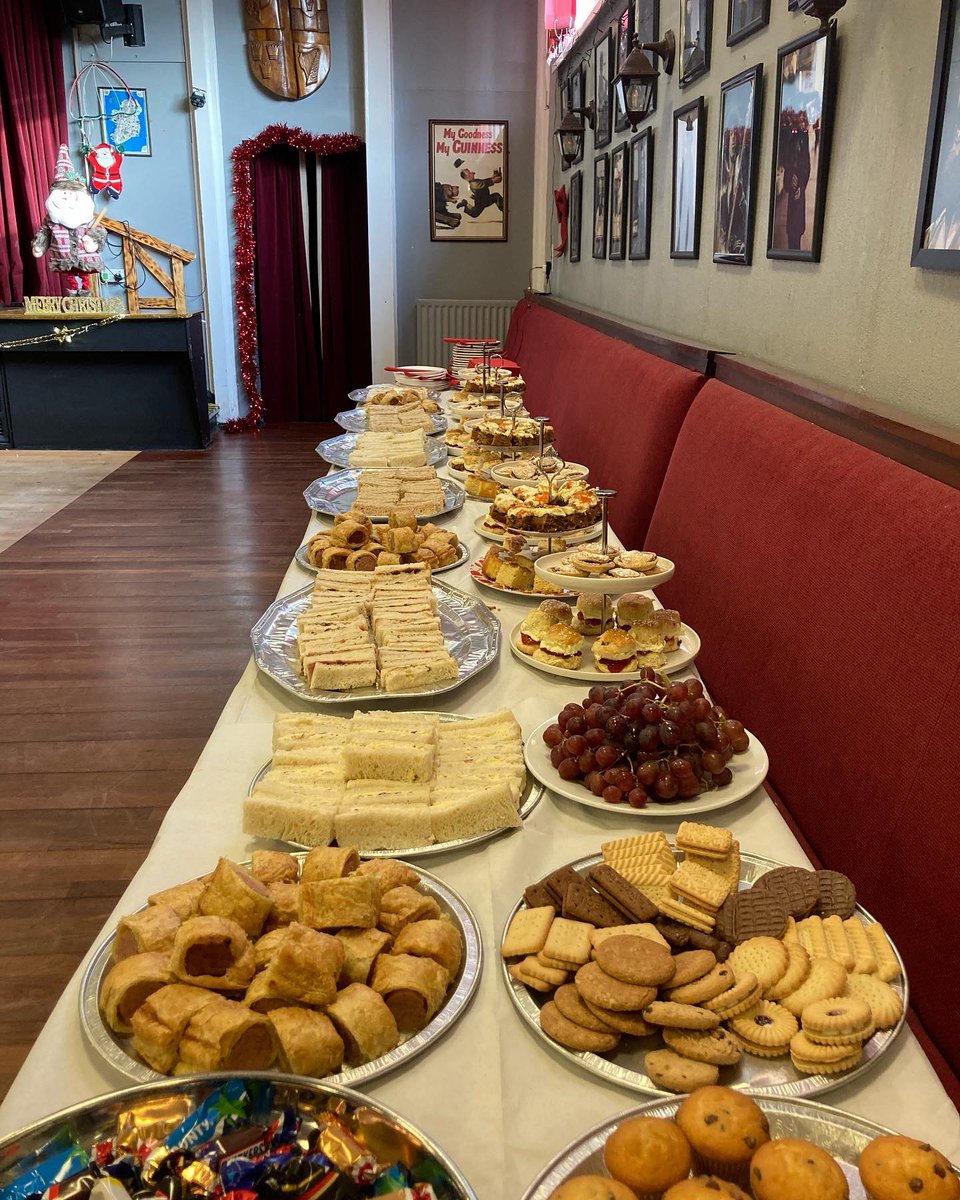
124, 625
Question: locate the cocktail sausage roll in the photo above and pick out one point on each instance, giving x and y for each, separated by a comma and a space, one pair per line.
309, 1043
234, 893
274, 866
329, 862
402, 905
352, 902
260, 998
184, 899
286, 904
264, 948
152, 929
213, 952
305, 967
365, 1023
159, 1022
226, 1036
439, 940
129, 983
413, 988
360, 948
391, 873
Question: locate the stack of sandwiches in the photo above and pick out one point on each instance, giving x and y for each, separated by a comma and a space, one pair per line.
389, 450
399, 419
415, 488
388, 781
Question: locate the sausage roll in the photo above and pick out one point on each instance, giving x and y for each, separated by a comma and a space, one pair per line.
286, 905
391, 872
329, 862
184, 899
274, 866
439, 940
402, 905
264, 948
365, 1023
159, 1022
152, 929
212, 952
349, 533
129, 983
260, 998
414, 988
352, 902
334, 558
227, 1036
308, 1042
305, 967
235, 894
361, 560
360, 948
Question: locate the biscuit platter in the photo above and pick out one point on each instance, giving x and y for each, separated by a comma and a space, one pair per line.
382, 450
663, 969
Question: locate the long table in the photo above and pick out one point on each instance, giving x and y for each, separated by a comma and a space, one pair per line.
491, 1094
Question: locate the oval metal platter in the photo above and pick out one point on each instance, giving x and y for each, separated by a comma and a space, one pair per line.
333, 495
337, 450
118, 1052
362, 395
462, 555
354, 420
760, 1076
470, 630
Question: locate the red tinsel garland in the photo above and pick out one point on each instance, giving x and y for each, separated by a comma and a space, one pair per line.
244, 256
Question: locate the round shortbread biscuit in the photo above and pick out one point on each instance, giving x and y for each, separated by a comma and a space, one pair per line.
691, 965
635, 960
885, 1004
837, 1020
597, 987
554, 1024
675, 1073
743, 995
797, 970
717, 980
826, 978
765, 957
767, 1025
623, 1022
571, 1005
715, 1046
679, 1016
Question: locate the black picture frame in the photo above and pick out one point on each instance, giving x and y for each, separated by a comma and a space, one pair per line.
686, 207
739, 29
575, 215
617, 193
602, 91
793, 5
646, 26
601, 168
624, 39
792, 150
641, 196
696, 23
564, 90
738, 168
939, 153
578, 79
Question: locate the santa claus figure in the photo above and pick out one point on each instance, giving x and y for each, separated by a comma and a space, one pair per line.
105, 161
68, 230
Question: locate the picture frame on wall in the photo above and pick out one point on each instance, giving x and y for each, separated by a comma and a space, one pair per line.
602, 57
689, 142
646, 26
803, 131
936, 241
696, 33
125, 120
624, 40
641, 195
468, 181
575, 216
746, 17
565, 106
577, 89
618, 202
738, 162
601, 166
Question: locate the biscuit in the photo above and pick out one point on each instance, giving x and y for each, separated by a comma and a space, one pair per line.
838, 944
885, 1004
757, 913
765, 1029
582, 903
527, 931
699, 886
826, 978
568, 941
888, 965
726, 869
673, 1073
623, 1022
790, 935
571, 1005
744, 994
557, 882
558, 964
814, 1059
635, 960
644, 930
538, 895
532, 966
717, 980
796, 887
715, 1046
861, 946
691, 965
838, 1020
621, 894
532, 981
679, 1016
597, 987
686, 914
813, 937
574, 1037
648, 842
709, 841
798, 968
838, 896
765, 957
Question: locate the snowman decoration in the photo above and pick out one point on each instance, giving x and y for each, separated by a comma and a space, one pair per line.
69, 230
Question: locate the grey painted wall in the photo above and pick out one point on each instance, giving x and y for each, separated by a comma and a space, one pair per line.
460, 61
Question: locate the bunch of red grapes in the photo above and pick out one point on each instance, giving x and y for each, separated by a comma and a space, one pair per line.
652, 740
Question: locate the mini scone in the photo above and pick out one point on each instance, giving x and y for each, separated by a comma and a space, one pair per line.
560, 646
213, 952
532, 628
615, 652
403, 905
365, 1023
329, 862
305, 967
129, 983
307, 1042
352, 902
159, 1022
226, 1036
360, 950
391, 872
274, 866
587, 613
233, 892
184, 898
153, 928
414, 988
439, 940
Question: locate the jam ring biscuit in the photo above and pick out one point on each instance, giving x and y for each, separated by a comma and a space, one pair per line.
554, 1024
597, 987
674, 1073
827, 978
885, 1004
715, 1046
797, 971
765, 1030
814, 1059
744, 994
838, 1021
717, 981
679, 1016
765, 957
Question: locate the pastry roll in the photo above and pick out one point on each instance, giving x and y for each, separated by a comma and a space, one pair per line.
212, 952
329, 862
427, 557
388, 558
361, 560
349, 533
260, 998
334, 558
316, 546
439, 940
274, 866
234, 893
265, 947
128, 983
414, 988
152, 929
184, 899
360, 948
402, 518
286, 905
402, 905
227, 1036
305, 967
404, 540
365, 1023
159, 1022
309, 1043
391, 872
334, 903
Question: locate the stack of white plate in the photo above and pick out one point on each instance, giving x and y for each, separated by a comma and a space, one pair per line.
416, 376
462, 351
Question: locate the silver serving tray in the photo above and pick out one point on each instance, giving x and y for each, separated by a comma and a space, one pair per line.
361, 395
470, 630
94, 1121
337, 450
531, 797
841, 1134
462, 555
354, 420
760, 1076
114, 1049
334, 494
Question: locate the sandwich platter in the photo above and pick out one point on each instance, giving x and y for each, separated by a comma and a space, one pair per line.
587, 671
749, 771
842, 1134
575, 538
546, 568
470, 630
337, 451
335, 494
462, 555
760, 1076
354, 420
531, 797
362, 395
116, 1049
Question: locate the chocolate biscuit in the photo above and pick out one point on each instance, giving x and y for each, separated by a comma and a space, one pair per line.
582, 903
557, 881
757, 913
538, 895
795, 886
838, 896
621, 893
676, 934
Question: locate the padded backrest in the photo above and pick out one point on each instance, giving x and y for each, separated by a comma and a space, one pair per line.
616, 408
823, 581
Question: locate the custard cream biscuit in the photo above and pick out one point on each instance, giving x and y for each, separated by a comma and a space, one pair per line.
888, 966
698, 886
837, 942
686, 914
708, 841
864, 956
726, 869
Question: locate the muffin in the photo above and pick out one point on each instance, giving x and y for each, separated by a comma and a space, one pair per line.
592, 1187
792, 1169
899, 1168
649, 1155
706, 1187
724, 1128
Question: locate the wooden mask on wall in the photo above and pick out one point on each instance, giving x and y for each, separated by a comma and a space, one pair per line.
288, 45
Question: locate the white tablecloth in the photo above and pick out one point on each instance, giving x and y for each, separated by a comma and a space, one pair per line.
490, 1093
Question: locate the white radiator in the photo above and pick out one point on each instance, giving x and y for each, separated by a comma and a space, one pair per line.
437, 319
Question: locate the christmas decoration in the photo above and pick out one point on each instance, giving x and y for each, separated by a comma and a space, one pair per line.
562, 202
61, 333
70, 229
105, 161
244, 258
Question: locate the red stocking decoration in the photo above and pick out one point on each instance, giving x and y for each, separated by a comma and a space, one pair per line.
562, 201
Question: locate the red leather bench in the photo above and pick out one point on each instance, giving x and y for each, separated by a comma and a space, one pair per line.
823, 580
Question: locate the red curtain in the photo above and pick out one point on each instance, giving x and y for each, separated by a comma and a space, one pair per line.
33, 123
288, 349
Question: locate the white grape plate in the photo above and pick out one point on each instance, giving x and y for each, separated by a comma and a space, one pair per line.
676, 659
604, 583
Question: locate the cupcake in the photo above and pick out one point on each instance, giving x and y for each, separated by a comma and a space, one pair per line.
648, 1154
592, 1187
792, 1169
725, 1128
706, 1187
899, 1168
633, 607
